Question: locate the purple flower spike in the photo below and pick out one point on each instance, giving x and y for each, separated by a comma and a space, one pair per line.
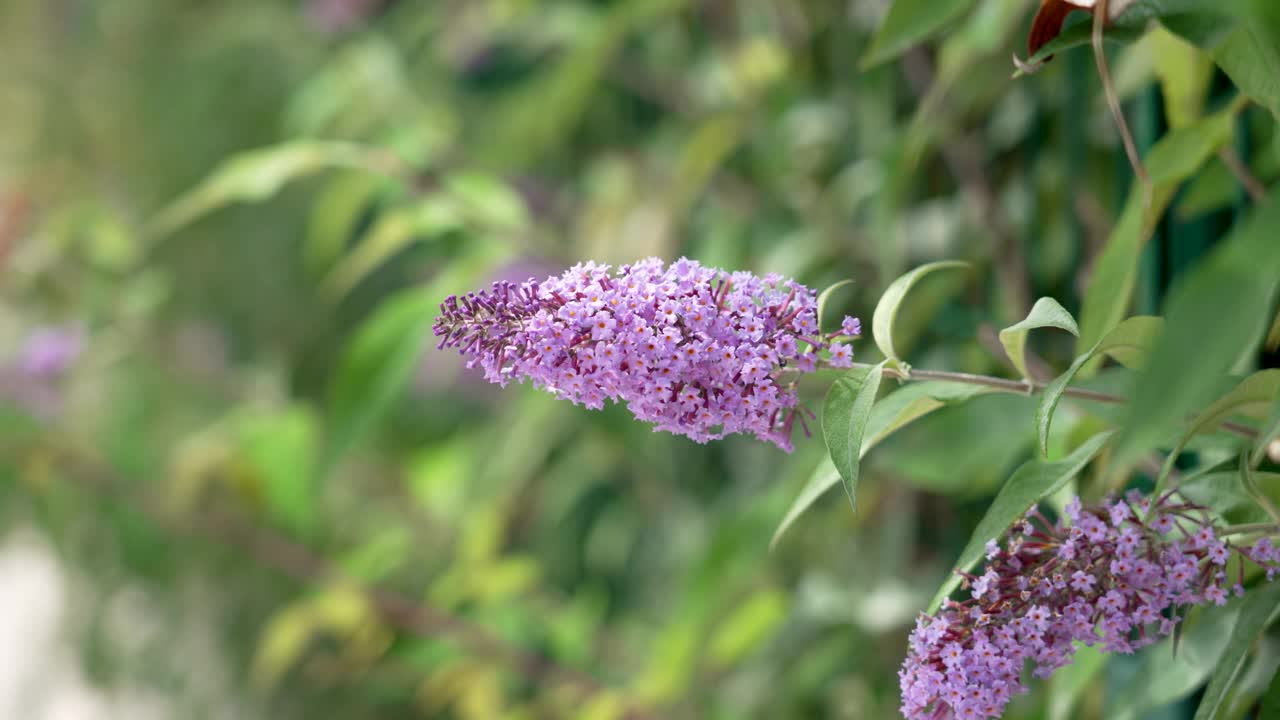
697, 351
1107, 574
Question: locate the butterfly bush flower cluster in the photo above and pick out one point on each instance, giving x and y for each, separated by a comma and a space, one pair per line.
1110, 575
697, 351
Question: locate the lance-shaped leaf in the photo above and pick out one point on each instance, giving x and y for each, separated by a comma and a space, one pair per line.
886, 312
844, 419
1045, 313
1212, 313
1029, 484
893, 412
1259, 605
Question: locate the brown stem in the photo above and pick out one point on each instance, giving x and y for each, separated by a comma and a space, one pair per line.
1253, 186
1018, 386
1113, 101
298, 562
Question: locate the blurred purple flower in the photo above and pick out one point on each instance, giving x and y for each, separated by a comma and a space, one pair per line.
49, 352
30, 378
336, 16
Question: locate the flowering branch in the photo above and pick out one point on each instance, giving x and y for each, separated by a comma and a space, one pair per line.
1019, 386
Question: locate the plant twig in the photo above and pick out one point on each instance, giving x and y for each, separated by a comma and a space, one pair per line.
1257, 191
1022, 387
298, 562
1100, 14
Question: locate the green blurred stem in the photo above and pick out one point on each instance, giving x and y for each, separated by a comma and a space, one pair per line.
1264, 528
1028, 387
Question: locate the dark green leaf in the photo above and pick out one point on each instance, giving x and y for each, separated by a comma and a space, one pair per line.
1211, 316
376, 366
1030, 484
1259, 605
844, 419
908, 23
1177, 156
1162, 677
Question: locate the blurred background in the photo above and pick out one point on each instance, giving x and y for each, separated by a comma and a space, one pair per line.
238, 481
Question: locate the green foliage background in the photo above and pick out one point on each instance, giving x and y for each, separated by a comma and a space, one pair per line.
252, 208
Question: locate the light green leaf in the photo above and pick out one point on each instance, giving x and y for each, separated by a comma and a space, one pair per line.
886, 312
1127, 343
1259, 605
1272, 342
1176, 157
335, 216
1185, 73
1211, 316
1045, 313
258, 174
747, 626
392, 232
825, 296
1270, 431
910, 22
894, 411
1030, 483
281, 450
844, 418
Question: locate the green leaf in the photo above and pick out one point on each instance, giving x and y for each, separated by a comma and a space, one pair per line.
1032, 482
894, 411
377, 365
1162, 677
1185, 73
258, 174
747, 626
1270, 431
1070, 682
1259, 605
1045, 313
1123, 30
1271, 701
844, 418
1176, 157
281, 449
391, 233
1272, 342
1253, 64
1253, 396
1226, 495
1128, 343
1211, 316
886, 312
909, 22
825, 296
